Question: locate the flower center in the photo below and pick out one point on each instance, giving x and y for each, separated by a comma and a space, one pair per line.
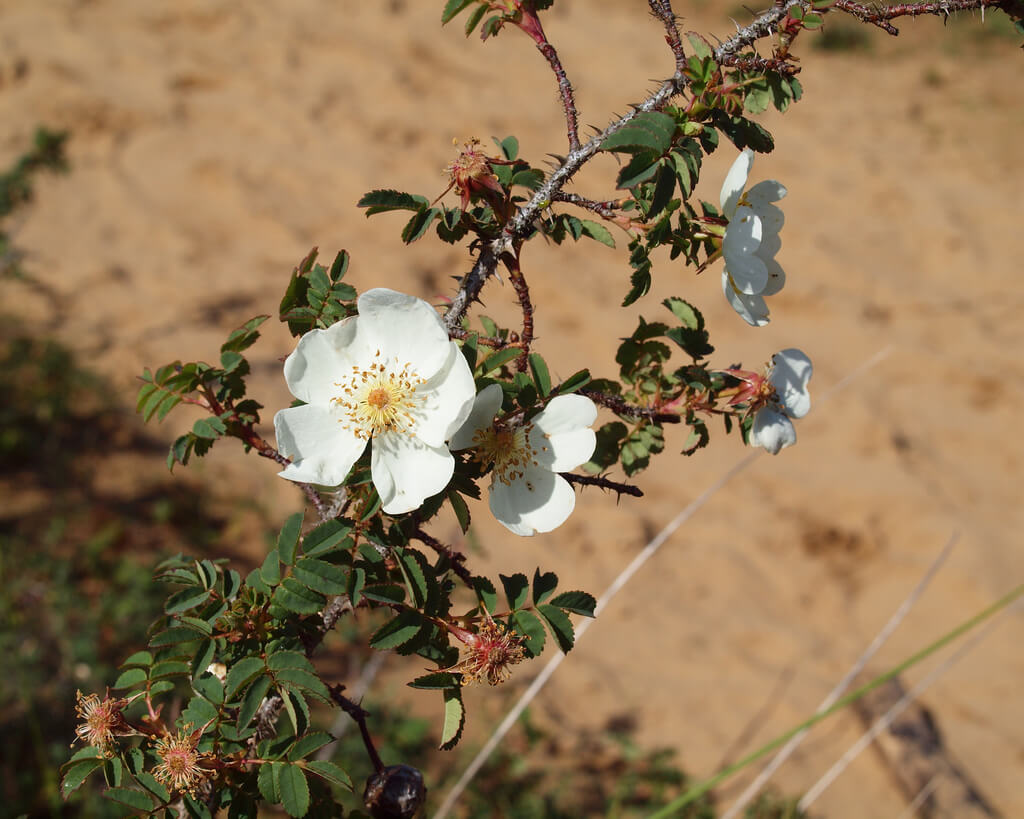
379, 398
508, 448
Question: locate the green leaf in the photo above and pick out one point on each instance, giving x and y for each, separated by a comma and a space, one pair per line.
578, 602
574, 382
209, 428
648, 131
169, 669
270, 571
136, 799
289, 539
438, 680
418, 224
325, 538
517, 587
452, 8
543, 585
397, 632
198, 712
240, 675
486, 593
288, 659
454, 718
639, 169
379, 201
294, 790
559, 625
531, 628
251, 702
309, 743
268, 780
140, 659
541, 376
460, 509
664, 187
384, 593
496, 361
76, 772
700, 46
597, 232
186, 599
295, 597
509, 147
321, 576
304, 680
173, 636
329, 771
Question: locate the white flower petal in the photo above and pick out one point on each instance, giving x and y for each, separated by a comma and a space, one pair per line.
321, 358
772, 219
732, 187
406, 471
561, 434
752, 309
742, 238
790, 373
767, 191
445, 400
771, 244
322, 449
772, 430
776, 278
538, 502
485, 407
403, 328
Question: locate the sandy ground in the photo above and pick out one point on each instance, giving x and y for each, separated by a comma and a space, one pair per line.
214, 144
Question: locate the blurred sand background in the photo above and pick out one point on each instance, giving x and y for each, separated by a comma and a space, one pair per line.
214, 143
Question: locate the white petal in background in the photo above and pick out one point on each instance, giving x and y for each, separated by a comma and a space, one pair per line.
791, 371
772, 430
735, 180
539, 502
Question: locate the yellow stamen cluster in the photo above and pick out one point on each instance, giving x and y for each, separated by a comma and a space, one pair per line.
495, 650
379, 398
508, 448
179, 767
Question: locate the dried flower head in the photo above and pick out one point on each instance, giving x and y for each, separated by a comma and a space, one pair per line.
493, 649
179, 767
102, 720
471, 174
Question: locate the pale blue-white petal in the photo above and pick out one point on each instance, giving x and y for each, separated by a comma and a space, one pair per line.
791, 370
752, 309
772, 430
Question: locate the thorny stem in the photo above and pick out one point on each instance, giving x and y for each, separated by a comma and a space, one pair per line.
880, 15
662, 9
607, 209
604, 483
523, 292
359, 715
488, 341
617, 405
565, 90
456, 559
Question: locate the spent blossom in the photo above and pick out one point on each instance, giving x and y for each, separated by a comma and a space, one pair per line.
751, 241
527, 495
180, 762
389, 375
492, 651
102, 720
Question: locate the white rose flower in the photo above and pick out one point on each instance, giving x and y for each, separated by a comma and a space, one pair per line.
751, 241
527, 495
389, 374
772, 428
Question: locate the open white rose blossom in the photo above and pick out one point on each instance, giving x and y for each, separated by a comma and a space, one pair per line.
390, 375
527, 495
789, 373
751, 241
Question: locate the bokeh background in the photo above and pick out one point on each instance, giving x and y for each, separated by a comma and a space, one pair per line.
213, 144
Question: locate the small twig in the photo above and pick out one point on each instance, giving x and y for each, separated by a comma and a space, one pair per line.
620, 407
566, 93
359, 715
488, 341
604, 483
456, 559
341, 723
607, 209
